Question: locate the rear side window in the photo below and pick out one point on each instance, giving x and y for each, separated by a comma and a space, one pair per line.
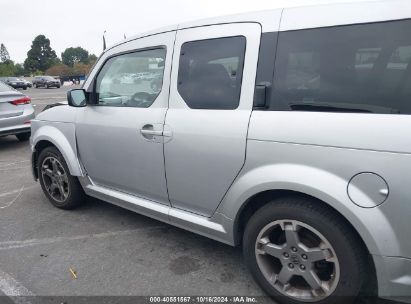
356, 68
210, 72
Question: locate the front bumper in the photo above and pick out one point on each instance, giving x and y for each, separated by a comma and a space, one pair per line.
394, 278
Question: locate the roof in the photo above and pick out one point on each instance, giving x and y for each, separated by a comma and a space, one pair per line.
299, 14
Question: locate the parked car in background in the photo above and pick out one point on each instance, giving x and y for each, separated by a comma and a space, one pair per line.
15, 113
46, 82
28, 83
282, 131
14, 82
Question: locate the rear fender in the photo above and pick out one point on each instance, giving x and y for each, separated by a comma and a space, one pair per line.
371, 223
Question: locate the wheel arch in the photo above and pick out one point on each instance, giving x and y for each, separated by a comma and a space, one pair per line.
49, 135
256, 187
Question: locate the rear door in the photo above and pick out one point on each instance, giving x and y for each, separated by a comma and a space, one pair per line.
211, 97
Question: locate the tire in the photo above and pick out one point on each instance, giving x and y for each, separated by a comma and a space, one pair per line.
24, 88
274, 256
46, 86
58, 87
74, 194
35, 85
23, 136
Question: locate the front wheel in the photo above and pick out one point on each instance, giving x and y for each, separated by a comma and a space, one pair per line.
299, 251
62, 189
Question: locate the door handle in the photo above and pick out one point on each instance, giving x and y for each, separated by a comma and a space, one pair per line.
165, 133
151, 132
148, 132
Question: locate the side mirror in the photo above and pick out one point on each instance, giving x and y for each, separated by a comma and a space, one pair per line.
77, 98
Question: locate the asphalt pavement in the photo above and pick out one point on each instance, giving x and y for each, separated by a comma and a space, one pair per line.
112, 251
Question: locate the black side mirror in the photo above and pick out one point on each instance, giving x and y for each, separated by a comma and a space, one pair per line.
77, 98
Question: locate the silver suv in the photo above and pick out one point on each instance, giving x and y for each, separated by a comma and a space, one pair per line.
282, 131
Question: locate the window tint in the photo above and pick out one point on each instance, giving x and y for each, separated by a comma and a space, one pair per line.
210, 72
131, 80
356, 68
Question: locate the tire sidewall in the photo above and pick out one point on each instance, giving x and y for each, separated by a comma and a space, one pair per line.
350, 276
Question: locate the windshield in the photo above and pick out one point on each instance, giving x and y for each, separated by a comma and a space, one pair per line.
49, 78
13, 79
4, 87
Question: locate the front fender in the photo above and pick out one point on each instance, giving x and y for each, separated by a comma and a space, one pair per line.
371, 223
62, 135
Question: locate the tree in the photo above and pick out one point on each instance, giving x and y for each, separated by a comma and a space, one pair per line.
81, 69
41, 56
92, 59
4, 54
7, 68
59, 70
19, 70
71, 56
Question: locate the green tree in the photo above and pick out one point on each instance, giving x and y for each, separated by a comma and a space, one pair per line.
41, 56
7, 68
71, 56
19, 70
4, 54
92, 59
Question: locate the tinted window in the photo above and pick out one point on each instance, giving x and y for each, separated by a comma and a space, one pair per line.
357, 68
210, 72
131, 80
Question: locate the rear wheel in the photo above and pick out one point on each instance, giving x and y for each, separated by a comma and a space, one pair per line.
299, 251
23, 136
63, 190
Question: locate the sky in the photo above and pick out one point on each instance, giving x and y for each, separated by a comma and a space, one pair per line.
82, 22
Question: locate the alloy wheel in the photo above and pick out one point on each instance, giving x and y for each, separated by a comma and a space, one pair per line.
297, 260
55, 179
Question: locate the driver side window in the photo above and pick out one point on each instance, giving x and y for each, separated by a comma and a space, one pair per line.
132, 79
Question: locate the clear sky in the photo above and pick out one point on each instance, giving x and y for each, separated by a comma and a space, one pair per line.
72, 23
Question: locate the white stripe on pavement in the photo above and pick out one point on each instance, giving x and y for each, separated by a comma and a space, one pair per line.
19, 244
14, 289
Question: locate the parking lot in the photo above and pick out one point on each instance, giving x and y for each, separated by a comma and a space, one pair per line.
112, 251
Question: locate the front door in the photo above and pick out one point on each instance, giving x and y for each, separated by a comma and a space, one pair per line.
119, 134
211, 98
